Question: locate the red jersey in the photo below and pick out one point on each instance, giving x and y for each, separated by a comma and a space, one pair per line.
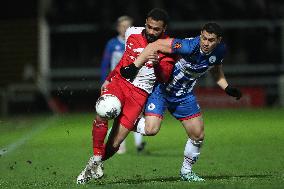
148, 73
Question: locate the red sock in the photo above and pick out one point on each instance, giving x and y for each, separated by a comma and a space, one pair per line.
99, 133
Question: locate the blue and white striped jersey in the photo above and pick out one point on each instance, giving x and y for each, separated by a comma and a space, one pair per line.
192, 64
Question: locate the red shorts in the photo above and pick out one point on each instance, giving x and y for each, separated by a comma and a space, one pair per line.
132, 100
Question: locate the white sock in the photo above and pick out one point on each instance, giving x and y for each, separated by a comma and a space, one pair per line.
94, 159
122, 148
97, 158
191, 153
138, 139
141, 126
123, 145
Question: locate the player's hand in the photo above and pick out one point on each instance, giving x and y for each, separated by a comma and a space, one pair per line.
144, 57
234, 92
154, 58
104, 85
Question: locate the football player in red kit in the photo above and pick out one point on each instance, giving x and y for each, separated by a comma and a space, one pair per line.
131, 82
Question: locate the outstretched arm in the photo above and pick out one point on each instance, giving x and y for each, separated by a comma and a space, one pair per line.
162, 45
218, 74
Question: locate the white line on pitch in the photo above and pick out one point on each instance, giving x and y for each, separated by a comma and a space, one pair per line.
13, 146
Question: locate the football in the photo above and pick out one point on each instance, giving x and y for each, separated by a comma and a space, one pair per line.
108, 106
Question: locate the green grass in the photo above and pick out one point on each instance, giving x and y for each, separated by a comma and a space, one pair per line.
243, 149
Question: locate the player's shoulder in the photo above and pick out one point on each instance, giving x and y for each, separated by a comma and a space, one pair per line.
190, 40
133, 31
195, 40
185, 45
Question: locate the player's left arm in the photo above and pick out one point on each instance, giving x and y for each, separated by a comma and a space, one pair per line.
219, 76
134, 60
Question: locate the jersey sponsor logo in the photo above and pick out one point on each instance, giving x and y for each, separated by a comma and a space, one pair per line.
151, 106
177, 45
212, 59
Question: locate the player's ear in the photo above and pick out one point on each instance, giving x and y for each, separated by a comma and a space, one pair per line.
165, 28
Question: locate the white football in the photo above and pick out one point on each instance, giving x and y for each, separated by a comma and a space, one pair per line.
108, 106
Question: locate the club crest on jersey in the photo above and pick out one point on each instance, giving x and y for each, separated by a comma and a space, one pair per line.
177, 45
151, 106
212, 59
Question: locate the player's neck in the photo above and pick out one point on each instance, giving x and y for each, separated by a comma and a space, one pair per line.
203, 53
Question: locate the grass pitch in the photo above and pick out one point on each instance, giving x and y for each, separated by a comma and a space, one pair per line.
242, 149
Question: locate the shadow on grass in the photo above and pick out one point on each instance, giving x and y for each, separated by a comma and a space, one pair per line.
138, 180
175, 179
156, 154
227, 177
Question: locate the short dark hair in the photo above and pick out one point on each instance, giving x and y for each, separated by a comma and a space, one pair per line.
159, 14
213, 27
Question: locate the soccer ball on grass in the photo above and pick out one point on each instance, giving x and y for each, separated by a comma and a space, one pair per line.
108, 106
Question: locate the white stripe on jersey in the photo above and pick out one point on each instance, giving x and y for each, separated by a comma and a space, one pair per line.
146, 77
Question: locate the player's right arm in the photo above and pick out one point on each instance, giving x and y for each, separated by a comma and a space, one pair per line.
173, 45
161, 45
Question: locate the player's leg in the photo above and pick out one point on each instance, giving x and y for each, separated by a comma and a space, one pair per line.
117, 136
188, 112
149, 125
138, 141
94, 166
99, 132
133, 105
154, 111
194, 128
122, 147
138, 137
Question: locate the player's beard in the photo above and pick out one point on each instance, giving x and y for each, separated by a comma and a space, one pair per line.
151, 38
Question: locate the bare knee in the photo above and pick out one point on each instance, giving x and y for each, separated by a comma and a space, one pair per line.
198, 136
152, 125
194, 128
152, 130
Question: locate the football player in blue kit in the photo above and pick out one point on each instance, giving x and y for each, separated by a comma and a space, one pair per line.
197, 56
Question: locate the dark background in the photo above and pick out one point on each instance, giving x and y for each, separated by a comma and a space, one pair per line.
79, 30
